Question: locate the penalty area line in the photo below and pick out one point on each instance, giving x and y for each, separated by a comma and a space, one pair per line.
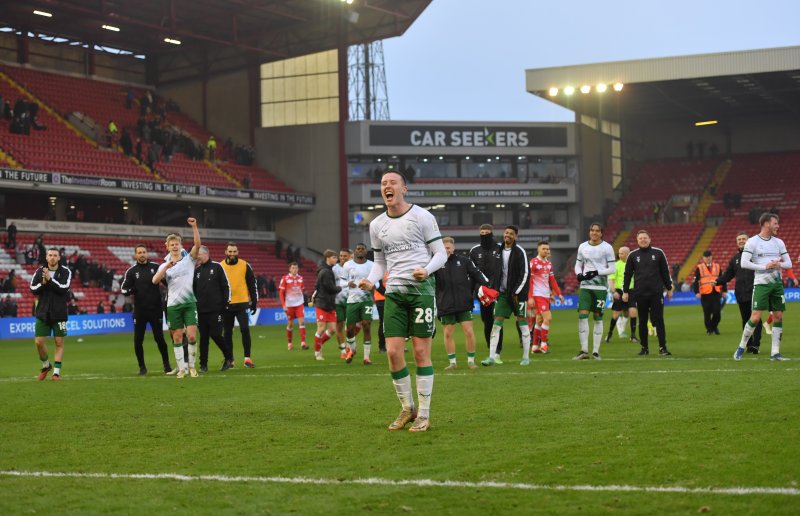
784, 491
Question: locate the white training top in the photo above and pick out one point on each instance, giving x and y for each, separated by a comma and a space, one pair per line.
404, 243
355, 272
758, 252
179, 281
341, 282
598, 258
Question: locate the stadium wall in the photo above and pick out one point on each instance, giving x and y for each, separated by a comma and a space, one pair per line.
308, 157
227, 103
595, 175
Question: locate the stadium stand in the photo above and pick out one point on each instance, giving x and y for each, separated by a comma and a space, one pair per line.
656, 182
116, 254
59, 147
763, 182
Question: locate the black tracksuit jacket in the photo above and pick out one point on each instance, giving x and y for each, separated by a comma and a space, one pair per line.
211, 287
744, 278
488, 259
326, 288
138, 281
53, 295
650, 270
454, 285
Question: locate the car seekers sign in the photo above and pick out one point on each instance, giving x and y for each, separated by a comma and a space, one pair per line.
61, 179
466, 137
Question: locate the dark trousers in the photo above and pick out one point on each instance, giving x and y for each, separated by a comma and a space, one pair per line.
746, 309
244, 325
712, 310
140, 322
487, 316
381, 336
209, 324
651, 307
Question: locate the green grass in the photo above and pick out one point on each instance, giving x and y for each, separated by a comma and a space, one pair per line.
695, 420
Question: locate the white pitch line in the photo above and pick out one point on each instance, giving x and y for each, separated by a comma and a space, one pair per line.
786, 491
465, 374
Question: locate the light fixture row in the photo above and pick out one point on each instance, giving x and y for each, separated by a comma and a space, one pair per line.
112, 28
600, 88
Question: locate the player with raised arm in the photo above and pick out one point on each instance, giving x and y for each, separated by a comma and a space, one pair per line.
595, 262
543, 289
407, 243
359, 303
766, 254
178, 271
293, 300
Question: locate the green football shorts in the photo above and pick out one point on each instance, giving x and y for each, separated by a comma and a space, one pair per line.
181, 316
592, 300
455, 318
409, 315
503, 308
341, 311
357, 312
56, 329
769, 297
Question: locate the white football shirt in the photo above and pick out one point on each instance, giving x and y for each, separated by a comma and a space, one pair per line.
404, 242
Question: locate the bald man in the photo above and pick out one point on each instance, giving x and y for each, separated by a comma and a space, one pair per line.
621, 310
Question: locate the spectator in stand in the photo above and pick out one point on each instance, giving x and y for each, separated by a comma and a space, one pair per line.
289, 254
40, 249
8, 113
11, 282
9, 307
112, 133
139, 150
273, 288
112, 308
11, 243
126, 143
278, 247
246, 182
129, 98
101, 307
211, 145
261, 286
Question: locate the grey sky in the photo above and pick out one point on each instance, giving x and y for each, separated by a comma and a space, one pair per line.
466, 59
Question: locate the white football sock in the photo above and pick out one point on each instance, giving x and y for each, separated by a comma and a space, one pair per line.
597, 336
583, 334
424, 390
777, 332
494, 340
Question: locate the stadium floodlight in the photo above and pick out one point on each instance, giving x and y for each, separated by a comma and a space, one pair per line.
553, 92
173, 41
706, 122
43, 13
586, 88
601, 88
569, 90
111, 28
618, 86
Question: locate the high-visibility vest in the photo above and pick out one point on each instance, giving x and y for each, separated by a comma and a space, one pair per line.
708, 278
377, 296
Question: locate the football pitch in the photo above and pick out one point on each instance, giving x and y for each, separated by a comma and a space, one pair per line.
695, 432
